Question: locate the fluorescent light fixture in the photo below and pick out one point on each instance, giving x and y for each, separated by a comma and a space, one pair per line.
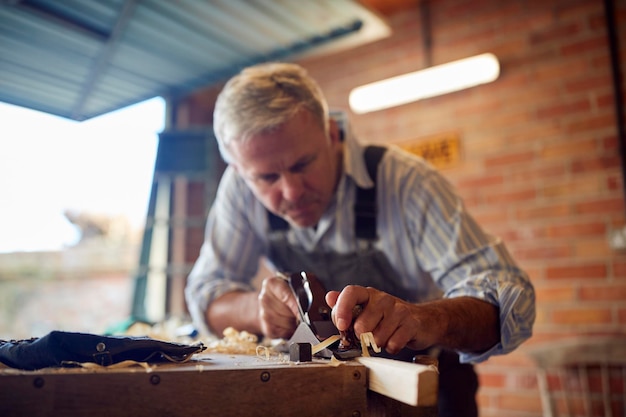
430, 82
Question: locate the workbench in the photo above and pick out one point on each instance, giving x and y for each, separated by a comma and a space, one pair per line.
208, 385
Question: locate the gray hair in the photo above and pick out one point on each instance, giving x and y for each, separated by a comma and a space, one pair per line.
262, 98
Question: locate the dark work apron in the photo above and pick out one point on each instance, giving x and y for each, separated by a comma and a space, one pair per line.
369, 266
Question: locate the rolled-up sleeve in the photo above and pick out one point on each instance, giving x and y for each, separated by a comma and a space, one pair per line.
463, 260
229, 256
513, 293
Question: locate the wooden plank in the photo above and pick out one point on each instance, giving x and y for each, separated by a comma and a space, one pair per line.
224, 385
410, 383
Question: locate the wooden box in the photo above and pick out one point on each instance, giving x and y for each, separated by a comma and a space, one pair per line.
215, 385
210, 385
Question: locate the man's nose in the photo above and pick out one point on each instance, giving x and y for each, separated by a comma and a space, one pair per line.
291, 186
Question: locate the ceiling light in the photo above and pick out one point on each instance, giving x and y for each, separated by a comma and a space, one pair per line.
430, 82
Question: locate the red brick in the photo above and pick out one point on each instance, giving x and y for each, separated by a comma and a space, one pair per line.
581, 185
509, 159
614, 182
551, 73
536, 274
561, 109
596, 44
602, 122
515, 196
581, 316
523, 234
587, 271
591, 248
488, 216
555, 294
544, 252
589, 83
603, 206
610, 143
481, 181
570, 148
528, 402
491, 380
554, 211
615, 292
605, 101
578, 10
579, 230
554, 33
516, 359
595, 163
619, 268
541, 173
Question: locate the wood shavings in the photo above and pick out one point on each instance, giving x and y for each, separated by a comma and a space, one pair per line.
335, 362
367, 340
119, 365
235, 342
324, 344
263, 351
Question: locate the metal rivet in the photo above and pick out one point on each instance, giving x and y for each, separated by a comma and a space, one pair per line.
38, 382
155, 379
265, 376
100, 347
356, 375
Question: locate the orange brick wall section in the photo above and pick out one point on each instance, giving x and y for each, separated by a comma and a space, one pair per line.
540, 164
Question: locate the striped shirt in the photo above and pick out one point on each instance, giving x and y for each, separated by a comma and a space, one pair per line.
431, 241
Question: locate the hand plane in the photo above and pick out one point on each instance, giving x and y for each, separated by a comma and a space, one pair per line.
316, 323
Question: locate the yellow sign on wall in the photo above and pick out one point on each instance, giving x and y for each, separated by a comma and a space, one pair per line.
442, 150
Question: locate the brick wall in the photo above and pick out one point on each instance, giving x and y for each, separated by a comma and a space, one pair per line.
540, 164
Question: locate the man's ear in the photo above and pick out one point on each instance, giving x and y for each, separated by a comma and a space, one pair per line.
334, 131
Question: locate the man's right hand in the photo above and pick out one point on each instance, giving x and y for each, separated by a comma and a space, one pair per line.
278, 309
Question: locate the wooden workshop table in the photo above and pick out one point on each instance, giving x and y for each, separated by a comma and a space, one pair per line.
209, 385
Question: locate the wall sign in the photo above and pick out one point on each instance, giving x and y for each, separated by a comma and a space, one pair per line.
441, 150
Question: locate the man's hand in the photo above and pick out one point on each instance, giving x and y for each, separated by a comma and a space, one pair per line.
271, 312
389, 318
464, 323
278, 310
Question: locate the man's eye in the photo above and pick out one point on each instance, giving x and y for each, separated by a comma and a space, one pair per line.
298, 168
301, 166
268, 178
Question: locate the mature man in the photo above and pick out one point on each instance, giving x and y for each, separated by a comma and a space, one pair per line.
296, 193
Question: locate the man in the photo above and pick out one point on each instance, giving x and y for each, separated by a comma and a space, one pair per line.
426, 276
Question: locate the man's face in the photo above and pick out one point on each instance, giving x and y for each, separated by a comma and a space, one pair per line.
292, 170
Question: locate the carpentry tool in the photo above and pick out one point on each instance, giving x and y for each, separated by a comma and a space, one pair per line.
316, 324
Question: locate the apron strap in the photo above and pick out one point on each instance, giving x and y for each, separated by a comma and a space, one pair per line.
365, 207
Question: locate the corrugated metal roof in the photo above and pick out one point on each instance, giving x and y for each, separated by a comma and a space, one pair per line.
83, 58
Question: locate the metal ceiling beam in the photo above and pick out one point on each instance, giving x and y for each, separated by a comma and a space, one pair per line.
278, 54
52, 15
79, 59
104, 57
